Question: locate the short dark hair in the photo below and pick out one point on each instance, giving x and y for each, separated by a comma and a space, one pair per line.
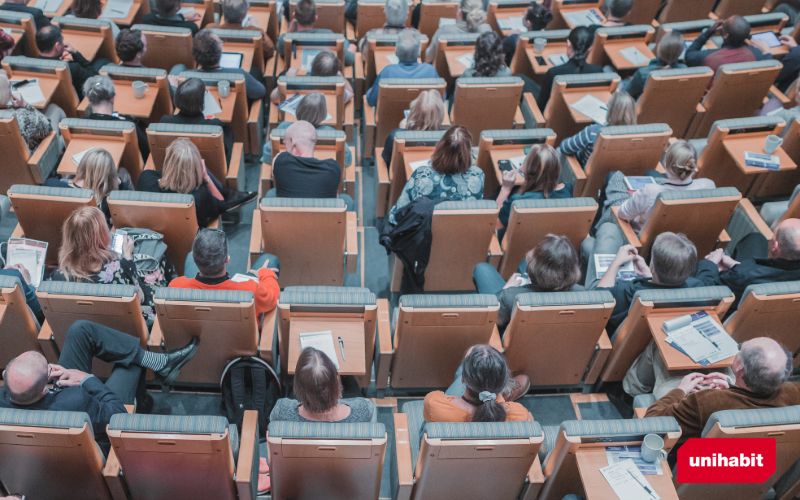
206, 49
553, 265
168, 7
325, 64
673, 258
190, 96
316, 382
736, 31
619, 8
305, 12
453, 152
209, 251
485, 370
47, 38
538, 16
129, 44
87, 9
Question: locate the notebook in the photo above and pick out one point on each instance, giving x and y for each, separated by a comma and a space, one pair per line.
30, 91
592, 107
634, 56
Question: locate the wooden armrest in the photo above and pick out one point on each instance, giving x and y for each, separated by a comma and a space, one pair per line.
38, 154
351, 242
384, 184
385, 345
112, 475
639, 412
369, 113
273, 119
47, 343
751, 213
265, 179
724, 239
267, 336
248, 452
405, 469
254, 119
358, 67
495, 251
235, 164
495, 340
627, 230
601, 353
577, 172
349, 184
538, 117
255, 234
535, 479
156, 340
17, 232
780, 96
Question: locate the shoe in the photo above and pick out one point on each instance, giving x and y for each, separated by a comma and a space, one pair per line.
175, 361
236, 199
518, 387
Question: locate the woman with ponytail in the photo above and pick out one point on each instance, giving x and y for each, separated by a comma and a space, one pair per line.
578, 44
472, 19
481, 392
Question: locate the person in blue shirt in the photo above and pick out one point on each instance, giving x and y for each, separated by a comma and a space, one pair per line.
541, 170
408, 65
668, 53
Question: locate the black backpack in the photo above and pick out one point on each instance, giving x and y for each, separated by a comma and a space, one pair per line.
249, 383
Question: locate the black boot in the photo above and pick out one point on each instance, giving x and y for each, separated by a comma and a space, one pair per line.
175, 361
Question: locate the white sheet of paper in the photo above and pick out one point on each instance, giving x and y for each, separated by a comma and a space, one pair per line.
31, 92
616, 454
602, 261
713, 331
77, 157
592, 107
628, 482
211, 105
322, 341
392, 59
466, 60
517, 162
308, 58
511, 23
634, 56
444, 21
48, 5
586, 17
30, 254
416, 164
243, 278
187, 11
116, 9
558, 59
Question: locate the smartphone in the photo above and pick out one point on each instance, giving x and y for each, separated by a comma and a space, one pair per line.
118, 240
505, 165
540, 60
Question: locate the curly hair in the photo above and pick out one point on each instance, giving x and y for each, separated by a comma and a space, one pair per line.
489, 55
206, 49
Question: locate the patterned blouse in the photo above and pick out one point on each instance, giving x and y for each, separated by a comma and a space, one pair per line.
121, 272
427, 182
33, 125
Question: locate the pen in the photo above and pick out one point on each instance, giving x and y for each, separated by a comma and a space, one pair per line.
646, 488
21, 83
341, 348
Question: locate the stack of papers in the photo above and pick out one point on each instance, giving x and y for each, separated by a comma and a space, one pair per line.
47, 5
592, 107
31, 92
558, 59
321, 341
29, 254
761, 160
587, 17
637, 182
615, 454
466, 60
211, 105
511, 23
416, 164
628, 482
308, 58
634, 56
700, 337
602, 261
116, 9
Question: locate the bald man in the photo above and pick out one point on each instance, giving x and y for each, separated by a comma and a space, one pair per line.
760, 369
297, 174
757, 260
735, 32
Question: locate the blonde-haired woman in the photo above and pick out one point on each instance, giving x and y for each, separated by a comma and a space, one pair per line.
471, 19
426, 112
184, 171
33, 124
86, 256
621, 111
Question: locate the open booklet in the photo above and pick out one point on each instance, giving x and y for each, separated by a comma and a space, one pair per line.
700, 337
29, 254
592, 107
602, 261
321, 341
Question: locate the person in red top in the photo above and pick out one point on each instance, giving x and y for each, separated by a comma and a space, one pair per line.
735, 32
210, 256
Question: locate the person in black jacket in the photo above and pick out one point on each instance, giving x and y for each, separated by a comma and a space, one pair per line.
27, 377
578, 44
39, 19
791, 64
100, 92
50, 43
167, 14
757, 260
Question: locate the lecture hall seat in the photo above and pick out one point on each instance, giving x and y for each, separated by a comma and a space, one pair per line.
18, 326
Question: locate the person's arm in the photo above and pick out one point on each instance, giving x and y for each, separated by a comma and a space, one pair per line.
625, 254
636, 205
212, 187
695, 55
102, 402
267, 291
578, 142
707, 272
372, 93
682, 404
255, 90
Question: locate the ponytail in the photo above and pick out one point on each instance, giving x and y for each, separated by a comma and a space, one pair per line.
485, 374
489, 410
581, 39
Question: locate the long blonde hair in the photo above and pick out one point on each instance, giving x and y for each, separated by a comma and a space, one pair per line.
84, 244
98, 173
427, 111
621, 109
183, 167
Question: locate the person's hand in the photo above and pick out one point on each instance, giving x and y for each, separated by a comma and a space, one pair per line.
717, 380
66, 56
727, 263
788, 41
716, 28
56, 371
17, 101
193, 17
515, 280
71, 377
69, 48
127, 247
641, 268
292, 71
690, 382
24, 272
715, 256
509, 179
625, 254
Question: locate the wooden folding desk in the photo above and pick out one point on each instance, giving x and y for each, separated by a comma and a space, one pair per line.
48, 84
62, 8
675, 360
613, 48
737, 145
126, 104
551, 49
451, 54
506, 152
508, 14
87, 43
350, 330
591, 460
115, 146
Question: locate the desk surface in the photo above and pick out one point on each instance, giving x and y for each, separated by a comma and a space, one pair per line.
126, 104
350, 330
451, 54
87, 43
227, 104
47, 83
613, 50
62, 8
572, 97
737, 146
504, 153
413, 155
591, 460
114, 146
551, 49
673, 358
567, 9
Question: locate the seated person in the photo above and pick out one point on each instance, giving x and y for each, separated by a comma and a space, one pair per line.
408, 65
450, 175
33, 124
24, 279
210, 255
50, 43
668, 53
761, 369
579, 43
313, 109
324, 64
536, 18
673, 264
303, 19
167, 13
471, 19
131, 47
85, 256
481, 392
396, 12
756, 260
735, 32
91, 9
234, 17
790, 114
489, 60
319, 395
185, 172
97, 171
100, 92
541, 170
207, 52
74, 388
621, 111
615, 11
552, 266
426, 112
39, 19
791, 64
189, 99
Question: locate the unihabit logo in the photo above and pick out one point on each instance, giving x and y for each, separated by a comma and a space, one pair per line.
726, 460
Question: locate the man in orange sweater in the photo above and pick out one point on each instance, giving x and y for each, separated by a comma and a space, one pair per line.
210, 255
